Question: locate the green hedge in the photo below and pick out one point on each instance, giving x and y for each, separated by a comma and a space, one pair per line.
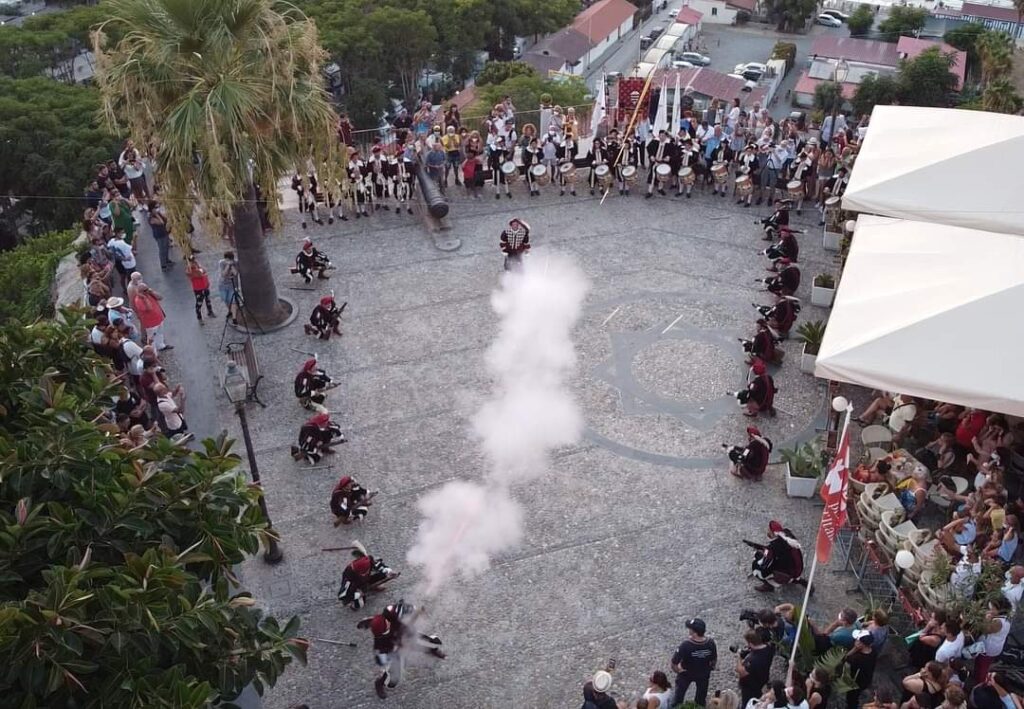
27, 273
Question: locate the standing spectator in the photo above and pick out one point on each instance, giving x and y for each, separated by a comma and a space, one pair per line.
227, 282
151, 315
452, 117
819, 689
436, 164
754, 666
124, 257
158, 223
473, 175
996, 629
200, 287
595, 692
122, 218
693, 662
658, 694
861, 661
423, 120
171, 407
135, 171
451, 142
133, 286
1013, 589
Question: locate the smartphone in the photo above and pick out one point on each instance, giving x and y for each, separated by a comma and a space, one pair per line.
611, 664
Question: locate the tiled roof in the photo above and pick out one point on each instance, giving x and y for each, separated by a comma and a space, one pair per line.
912, 46
603, 18
806, 85
689, 16
990, 12
868, 51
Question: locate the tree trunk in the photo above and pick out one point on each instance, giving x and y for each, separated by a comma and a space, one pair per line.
259, 292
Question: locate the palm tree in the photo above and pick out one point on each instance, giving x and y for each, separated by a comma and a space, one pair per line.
1001, 97
995, 49
231, 92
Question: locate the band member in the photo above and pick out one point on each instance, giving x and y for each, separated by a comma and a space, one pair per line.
403, 182
786, 247
660, 151
689, 157
364, 574
311, 385
781, 315
325, 319
750, 165
350, 501
498, 155
530, 156
780, 562
393, 637
310, 259
335, 198
306, 188
787, 280
595, 157
750, 461
563, 180
618, 157
777, 219
764, 345
515, 242
717, 153
316, 436
356, 169
801, 167
376, 174
759, 396
835, 185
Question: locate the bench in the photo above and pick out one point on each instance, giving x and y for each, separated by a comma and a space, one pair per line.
244, 355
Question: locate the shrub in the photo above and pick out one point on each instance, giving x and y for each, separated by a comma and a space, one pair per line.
27, 273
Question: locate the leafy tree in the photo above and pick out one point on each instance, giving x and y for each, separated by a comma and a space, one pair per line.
27, 273
410, 39
525, 92
827, 95
860, 21
902, 20
873, 91
50, 131
926, 80
1001, 96
48, 42
115, 562
236, 83
995, 51
965, 38
497, 72
790, 15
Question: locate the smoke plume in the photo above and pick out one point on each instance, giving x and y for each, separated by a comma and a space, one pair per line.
530, 413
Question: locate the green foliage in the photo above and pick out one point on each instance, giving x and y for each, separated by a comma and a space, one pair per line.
832, 662
26, 276
806, 460
926, 79
902, 20
497, 72
811, 333
785, 51
860, 21
965, 38
995, 52
526, 92
790, 15
825, 280
874, 90
827, 95
50, 131
115, 563
1001, 96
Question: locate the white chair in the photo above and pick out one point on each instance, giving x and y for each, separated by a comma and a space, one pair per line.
876, 436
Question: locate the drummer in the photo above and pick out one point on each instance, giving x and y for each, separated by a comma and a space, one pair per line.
748, 165
660, 151
531, 157
718, 155
566, 175
689, 159
595, 159
497, 156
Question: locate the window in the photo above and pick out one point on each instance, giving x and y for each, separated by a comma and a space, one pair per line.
714, 11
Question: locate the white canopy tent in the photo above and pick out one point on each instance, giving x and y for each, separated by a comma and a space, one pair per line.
930, 310
941, 165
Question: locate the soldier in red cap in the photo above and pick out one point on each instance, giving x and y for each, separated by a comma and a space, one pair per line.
750, 461
325, 319
311, 385
759, 396
787, 280
763, 345
316, 436
350, 501
782, 314
392, 638
785, 247
364, 574
779, 562
515, 241
311, 259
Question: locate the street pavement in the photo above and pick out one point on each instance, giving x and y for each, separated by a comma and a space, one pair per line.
634, 529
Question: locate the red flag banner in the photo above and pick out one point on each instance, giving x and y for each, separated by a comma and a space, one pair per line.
833, 492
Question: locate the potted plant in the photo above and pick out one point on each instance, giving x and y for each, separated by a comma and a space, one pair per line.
804, 465
832, 237
823, 290
811, 333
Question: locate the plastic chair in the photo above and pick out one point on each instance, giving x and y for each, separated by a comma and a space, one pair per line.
876, 436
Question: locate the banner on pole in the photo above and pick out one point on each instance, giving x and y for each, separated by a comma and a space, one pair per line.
834, 492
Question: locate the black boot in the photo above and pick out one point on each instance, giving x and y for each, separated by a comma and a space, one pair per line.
378, 686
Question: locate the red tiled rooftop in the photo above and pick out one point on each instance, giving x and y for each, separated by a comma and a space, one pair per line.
1003, 14
866, 51
806, 85
602, 18
689, 16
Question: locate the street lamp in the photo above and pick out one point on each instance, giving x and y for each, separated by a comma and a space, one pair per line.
236, 386
839, 73
904, 562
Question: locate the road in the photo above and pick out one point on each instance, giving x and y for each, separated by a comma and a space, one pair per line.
626, 53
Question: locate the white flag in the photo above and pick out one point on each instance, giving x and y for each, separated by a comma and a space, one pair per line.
661, 117
599, 107
676, 115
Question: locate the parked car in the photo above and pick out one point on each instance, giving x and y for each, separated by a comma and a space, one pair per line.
838, 14
829, 21
695, 58
655, 33
682, 65
752, 67
646, 42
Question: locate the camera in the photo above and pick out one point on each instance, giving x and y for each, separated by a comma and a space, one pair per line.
750, 617
737, 650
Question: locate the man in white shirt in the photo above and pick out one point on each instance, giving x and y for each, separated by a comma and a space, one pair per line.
124, 257
1013, 589
953, 645
904, 411
170, 409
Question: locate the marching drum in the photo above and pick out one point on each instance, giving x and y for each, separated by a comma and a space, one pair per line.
629, 174
662, 171
603, 174
795, 189
743, 185
508, 169
568, 172
833, 213
687, 176
541, 174
720, 172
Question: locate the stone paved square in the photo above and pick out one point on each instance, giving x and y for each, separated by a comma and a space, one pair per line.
633, 531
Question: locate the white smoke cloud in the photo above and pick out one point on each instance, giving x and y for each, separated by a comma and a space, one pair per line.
529, 414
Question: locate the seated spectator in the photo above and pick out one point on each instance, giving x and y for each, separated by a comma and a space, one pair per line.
961, 532
954, 698
878, 472
939, 456
926, 688
878, 626
1002, 547
881, 404
839, 633
969, 425
902, 417
912, 492
1013, 588
883, 698
995, 434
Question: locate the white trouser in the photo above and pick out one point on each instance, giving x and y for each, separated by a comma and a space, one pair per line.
156, 336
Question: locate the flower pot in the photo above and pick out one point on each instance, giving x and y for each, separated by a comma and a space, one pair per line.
807, 361
822, 296
831, 240
800, 487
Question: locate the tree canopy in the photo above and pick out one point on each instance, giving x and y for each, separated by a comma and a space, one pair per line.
497, 72
926, 80
790, 15
525, 92
860, 21
114, 561
902, 20
826, 95
874, 91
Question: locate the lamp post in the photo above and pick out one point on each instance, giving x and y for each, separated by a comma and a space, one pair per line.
904, 562
236, 387
839, 73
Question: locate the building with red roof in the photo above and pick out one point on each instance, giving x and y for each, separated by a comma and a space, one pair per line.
911, 47
573, 49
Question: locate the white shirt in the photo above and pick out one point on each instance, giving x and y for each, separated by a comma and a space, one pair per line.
133, 171
734, 116
1013, 593
950, 649
901, 415
965, 577
133, 352
171, 416
124, 251
994, 642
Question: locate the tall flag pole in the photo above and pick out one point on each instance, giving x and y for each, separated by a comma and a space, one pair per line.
600, 106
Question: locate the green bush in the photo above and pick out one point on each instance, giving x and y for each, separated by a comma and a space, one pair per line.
785, 51
27, 273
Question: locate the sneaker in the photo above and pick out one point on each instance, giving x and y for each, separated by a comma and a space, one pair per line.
507, 194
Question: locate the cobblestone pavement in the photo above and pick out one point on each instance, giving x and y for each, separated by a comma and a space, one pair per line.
634, 530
